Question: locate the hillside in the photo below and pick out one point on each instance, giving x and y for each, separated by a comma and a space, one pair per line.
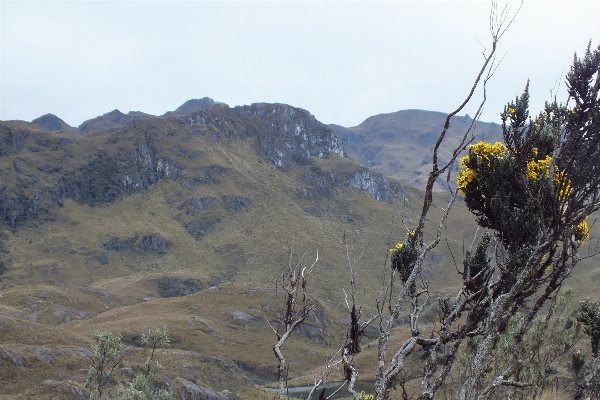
186, 221
400, 144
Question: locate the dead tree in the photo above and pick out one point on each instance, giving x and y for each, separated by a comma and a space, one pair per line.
409, 271
298, 305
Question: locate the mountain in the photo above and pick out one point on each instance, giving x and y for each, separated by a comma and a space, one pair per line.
400, 144
113, 119
193, 105
52, 123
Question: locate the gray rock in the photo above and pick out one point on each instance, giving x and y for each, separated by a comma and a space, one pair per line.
174, 286
235, 203
70, 314
15, 358
78, 351
242, 316
77, 392
190, 391
11, 141
199, 203
43, 354
200, 227
287, 134
375, 185
152, 243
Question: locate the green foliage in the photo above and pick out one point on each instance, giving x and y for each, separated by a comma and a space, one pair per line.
506, 185
577, 364
106, 356
155, 338
106, 352
404, 256
541, 352
477, 269
589, 316
145, 385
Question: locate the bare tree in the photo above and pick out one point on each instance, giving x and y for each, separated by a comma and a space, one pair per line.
414, 250
298, 305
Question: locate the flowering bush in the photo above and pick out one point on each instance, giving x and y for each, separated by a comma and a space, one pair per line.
510, 188
404, 256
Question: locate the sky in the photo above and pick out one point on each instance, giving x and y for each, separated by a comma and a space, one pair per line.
341, 60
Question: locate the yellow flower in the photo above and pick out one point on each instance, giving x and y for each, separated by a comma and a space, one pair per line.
399, 245
482, 150
364, 396
534, 167
582, 231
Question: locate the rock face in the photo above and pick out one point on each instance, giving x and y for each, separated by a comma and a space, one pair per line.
287, 134
375, 185
11, 140
140, 244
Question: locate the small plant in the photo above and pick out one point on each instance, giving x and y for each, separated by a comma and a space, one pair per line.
589, 316
404, 256
144, 384
577, 365
106, 356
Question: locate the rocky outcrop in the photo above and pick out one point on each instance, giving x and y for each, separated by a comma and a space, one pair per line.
174, 286
375, 185
190, 391
235, 203
152, 243
200, 227
12, 357
286, 134
322, 184
104, 178
12, 140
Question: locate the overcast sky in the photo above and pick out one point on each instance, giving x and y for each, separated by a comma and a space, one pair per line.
342, 61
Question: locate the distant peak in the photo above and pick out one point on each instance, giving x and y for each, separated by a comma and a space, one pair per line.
51, 123
193, 105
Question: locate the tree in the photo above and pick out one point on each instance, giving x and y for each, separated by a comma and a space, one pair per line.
297, 308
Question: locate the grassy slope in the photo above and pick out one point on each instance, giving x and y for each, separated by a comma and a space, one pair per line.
400, 144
